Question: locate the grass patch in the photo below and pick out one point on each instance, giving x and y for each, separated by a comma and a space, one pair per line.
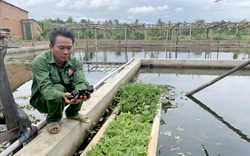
15, 62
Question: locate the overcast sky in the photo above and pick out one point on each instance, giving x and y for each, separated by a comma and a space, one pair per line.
146, 11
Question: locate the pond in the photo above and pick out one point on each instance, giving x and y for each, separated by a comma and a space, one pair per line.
123, 55
215, 121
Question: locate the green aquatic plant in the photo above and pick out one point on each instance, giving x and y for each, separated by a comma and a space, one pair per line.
33, 119
27, 106
23, 97
129, 133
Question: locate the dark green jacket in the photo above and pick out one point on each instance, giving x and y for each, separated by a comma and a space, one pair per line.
46, 73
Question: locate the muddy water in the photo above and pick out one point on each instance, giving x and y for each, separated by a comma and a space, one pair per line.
214, 122
18, 74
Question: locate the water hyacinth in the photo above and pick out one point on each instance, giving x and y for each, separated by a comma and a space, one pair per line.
129, 133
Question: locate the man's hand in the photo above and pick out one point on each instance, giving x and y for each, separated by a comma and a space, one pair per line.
74, 100
85, 97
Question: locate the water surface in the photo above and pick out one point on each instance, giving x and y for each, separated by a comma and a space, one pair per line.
214, 122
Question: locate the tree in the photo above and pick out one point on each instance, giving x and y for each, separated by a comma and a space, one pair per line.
45, 26
83, 21
199, 21
136, 22
70, 20
59, 21
159, 22
116, 22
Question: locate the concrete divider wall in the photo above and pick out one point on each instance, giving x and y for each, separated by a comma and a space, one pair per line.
28, 49
192, 63
25, 51
73, 132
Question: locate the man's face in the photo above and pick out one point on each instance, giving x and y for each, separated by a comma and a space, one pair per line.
62, 49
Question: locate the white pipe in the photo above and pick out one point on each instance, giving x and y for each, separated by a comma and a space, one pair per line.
17, 143
41, 124
99, 83
26, 136
34, 128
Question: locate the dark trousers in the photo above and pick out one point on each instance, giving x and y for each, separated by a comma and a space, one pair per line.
54, 108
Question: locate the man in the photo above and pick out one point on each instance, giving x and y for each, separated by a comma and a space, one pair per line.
56, 73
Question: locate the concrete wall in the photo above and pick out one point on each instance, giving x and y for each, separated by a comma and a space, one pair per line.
25, 51
192, 63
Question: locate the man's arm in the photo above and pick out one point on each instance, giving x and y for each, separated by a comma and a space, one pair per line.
79, 80
41, 73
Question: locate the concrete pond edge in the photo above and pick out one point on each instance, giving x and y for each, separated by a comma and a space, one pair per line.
73, 132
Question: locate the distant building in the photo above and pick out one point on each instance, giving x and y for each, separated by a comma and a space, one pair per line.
17, 20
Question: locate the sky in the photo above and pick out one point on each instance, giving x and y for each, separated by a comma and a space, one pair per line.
146, 11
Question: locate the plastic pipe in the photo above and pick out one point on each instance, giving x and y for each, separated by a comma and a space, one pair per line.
99, 83
25, 137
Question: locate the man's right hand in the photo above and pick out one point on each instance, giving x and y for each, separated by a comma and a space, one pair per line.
74, 100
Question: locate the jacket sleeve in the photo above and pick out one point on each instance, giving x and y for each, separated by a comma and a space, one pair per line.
79, 79
41, 75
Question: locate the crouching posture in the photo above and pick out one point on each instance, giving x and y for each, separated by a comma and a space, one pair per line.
56, 73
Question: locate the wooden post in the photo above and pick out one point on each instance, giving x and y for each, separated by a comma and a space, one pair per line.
86, 37
248, 33
126, 37
105, 36
167, 37
145, 34
96, 38
218, 78
190, 34
207, 37
211, 34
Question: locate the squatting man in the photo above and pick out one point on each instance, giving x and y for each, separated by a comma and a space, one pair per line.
56, 73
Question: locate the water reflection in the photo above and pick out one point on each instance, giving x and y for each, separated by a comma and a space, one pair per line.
243, 136
195, 127
18, 73
122, 55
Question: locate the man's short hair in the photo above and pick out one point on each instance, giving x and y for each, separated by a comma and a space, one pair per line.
61, 31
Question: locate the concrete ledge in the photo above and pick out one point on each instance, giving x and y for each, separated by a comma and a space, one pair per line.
73, 132
25, 51
192, 63
28, 49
